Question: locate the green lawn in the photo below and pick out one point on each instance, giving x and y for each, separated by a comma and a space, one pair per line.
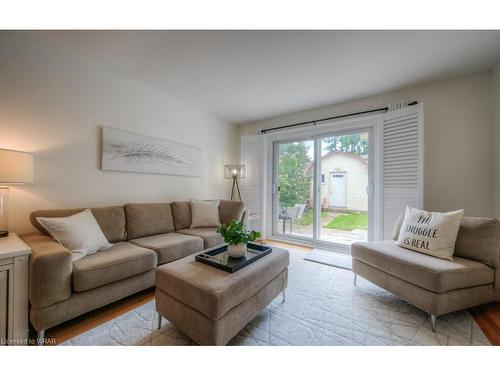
307, 219
349, 222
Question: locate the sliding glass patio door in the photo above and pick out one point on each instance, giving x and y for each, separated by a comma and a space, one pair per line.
294, 182
343, 192
322, 188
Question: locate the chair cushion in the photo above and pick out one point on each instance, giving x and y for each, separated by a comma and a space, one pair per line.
148, 219
119, 262
479, 239
437, 275
213, 292
171, 246
210, 236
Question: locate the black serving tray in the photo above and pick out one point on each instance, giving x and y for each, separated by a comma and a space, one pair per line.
217, 257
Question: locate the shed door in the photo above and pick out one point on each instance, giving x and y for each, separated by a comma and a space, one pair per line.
338, 190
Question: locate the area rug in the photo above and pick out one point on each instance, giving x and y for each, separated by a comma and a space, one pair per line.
330, 258
323, 307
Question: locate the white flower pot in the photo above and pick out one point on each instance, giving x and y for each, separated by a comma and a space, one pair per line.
237, 251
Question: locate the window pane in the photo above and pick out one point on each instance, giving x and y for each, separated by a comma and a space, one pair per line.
295, 175
343, 195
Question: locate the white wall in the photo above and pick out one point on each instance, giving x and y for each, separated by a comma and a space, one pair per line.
496, 141
53, 104
458, 132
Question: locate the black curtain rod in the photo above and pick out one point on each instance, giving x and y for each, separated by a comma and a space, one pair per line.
314, 122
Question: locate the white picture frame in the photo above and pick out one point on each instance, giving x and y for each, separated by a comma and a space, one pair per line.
131, 152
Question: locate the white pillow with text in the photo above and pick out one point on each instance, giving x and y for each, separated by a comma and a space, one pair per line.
431, 233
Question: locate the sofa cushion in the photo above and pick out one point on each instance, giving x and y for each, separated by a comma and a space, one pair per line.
111, 220
79, 233
170, 246
210, 236
148, 219
479, 239
230, 210
437, 275
214, 292
205, 214
181, 212
119, 262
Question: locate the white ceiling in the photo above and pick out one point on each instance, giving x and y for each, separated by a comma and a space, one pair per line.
244, 76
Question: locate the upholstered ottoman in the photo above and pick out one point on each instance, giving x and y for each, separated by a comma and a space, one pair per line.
210, 305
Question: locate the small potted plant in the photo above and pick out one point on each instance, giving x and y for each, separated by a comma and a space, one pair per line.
237, 237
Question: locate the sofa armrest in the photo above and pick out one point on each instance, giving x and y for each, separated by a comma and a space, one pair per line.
497, 282
50, 270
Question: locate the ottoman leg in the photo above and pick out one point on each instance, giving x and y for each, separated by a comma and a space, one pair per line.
40, 340
284, 296
159, 321
433, 323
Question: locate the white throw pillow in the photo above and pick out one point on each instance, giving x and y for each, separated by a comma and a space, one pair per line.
205, 213
431, 233
79, 233
397, 226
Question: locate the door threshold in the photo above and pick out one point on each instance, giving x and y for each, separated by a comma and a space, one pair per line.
343, 249
334, 249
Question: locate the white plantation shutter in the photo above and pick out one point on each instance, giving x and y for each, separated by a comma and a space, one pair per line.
402, 163
252, 187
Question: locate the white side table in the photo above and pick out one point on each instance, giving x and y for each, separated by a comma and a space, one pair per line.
14, 260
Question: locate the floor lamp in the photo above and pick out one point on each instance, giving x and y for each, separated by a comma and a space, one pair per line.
234, 171
16, 167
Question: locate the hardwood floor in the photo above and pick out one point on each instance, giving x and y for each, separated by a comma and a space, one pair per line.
486, 316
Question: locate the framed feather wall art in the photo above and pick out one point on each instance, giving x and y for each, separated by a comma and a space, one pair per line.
130, 152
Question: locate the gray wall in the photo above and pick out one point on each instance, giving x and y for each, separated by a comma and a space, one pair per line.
53, 105
458, 119
496, 141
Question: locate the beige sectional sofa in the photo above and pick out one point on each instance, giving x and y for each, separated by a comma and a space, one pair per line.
435, 285
143, 237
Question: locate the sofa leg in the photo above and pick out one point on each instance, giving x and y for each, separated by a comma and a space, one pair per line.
40, 339
159, 321
284, 296
355, 279
433, 323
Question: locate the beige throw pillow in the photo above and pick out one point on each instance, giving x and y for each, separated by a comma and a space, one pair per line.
397, 226
79, 233
431, 233
205, 213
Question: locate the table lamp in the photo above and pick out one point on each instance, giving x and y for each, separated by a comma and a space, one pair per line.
234, 171
16, 167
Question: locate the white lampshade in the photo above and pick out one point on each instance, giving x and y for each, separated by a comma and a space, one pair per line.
16, 167
234, 170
